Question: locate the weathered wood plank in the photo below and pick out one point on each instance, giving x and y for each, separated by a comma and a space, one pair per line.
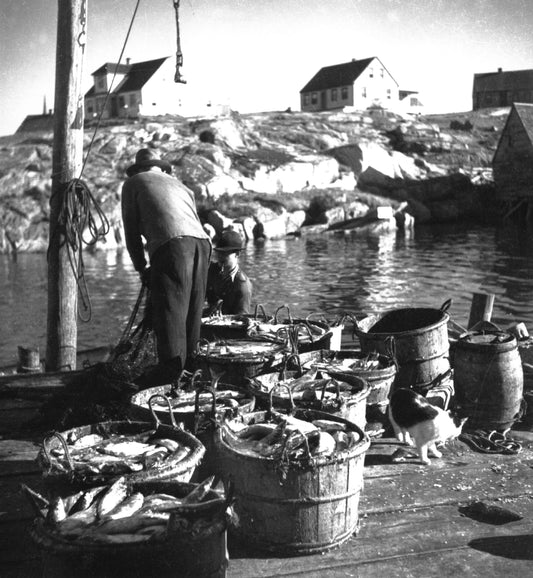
400, 543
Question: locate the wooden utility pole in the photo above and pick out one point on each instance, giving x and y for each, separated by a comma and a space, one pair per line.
62, 329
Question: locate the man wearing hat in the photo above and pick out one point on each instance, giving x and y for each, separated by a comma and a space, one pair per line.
227, 286
160, 209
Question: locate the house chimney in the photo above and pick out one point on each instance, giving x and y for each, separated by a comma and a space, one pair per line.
499, 69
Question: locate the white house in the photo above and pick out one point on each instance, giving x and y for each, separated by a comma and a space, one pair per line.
142, 89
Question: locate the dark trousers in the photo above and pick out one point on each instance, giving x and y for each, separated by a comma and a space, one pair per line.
178, 276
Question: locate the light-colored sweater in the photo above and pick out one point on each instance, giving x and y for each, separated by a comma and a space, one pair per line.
157, 207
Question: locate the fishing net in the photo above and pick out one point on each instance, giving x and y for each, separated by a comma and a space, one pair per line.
136, 351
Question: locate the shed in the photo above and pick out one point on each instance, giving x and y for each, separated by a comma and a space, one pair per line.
513, 160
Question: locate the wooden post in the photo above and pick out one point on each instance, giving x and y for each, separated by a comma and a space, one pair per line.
62, 330
481, 308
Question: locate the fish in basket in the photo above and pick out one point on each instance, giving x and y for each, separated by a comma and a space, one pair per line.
297, 479
140, 450
200, 408
379, 372
310, 334
313, 388
223, 326
127, 528
191, 400
238, 359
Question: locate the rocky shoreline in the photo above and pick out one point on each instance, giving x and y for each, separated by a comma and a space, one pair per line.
274, 174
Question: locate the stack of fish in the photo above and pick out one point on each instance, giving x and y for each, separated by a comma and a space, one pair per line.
366, 363
118, 514
312, 385
185, 401
292, 437
116, 454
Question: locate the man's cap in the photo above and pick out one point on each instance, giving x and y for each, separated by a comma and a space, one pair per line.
146, 158
229, 242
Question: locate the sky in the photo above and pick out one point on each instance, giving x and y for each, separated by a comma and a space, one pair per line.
256, 55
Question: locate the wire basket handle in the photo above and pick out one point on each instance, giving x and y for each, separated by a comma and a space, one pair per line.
285, 306
283, 371
63, 442
446, 305
197, 415
271, 397
157, 421
258, 307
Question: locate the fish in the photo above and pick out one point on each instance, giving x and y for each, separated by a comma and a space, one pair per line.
86, 441
56, 511
77, 524
200, 492
153, 457
132, 524
88, 497
39, 503
125, 449
115, 494
171, 445
70, 502
161, 505
257, 431
119, 538
127, 507
326, 444
329, 425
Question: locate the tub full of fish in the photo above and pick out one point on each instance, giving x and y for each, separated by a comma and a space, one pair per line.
192, 400
312, 389
238, 359
199, 410
275, 461
127, 528
309, 334
139, 450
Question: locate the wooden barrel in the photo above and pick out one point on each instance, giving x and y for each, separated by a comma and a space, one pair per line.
300, 507
420, 342
185, 552
488, 379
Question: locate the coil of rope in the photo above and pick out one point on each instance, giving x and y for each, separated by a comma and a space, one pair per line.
80, 215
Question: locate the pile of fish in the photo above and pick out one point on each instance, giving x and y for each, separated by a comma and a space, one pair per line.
185, 401
239, 348
116, 454
292, 437
310, 386
233, 321
306, 332
116, 514
349, 364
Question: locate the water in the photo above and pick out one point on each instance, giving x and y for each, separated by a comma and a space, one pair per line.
328, 274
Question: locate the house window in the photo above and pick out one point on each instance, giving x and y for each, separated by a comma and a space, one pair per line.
388, 93
133, 99
306, 99
344, 93
121, 101
90, 109
371, 73
100, 83
381, 72
363, 92
333, 95
314, 98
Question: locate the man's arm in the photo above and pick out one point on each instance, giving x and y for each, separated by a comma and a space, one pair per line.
132, 233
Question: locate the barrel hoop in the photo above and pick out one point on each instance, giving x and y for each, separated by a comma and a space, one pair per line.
304, 547
304, 501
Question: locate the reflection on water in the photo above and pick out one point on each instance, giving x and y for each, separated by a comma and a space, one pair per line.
328, 274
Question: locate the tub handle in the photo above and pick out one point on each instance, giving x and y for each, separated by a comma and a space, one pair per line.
285, 306
258, 307
157, 421
296, 357
271, 398
446, 305
63, 442
206, 389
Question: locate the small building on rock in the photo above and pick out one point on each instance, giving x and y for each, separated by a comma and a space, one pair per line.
513, 160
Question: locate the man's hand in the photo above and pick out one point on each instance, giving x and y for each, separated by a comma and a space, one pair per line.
145, 276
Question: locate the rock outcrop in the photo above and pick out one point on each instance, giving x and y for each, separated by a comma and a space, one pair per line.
360, 160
